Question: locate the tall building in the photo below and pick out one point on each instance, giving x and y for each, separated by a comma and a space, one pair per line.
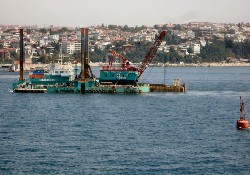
70, 47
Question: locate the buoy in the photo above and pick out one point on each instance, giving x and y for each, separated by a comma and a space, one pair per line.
242, 123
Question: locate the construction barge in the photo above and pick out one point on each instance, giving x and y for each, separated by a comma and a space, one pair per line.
123, 79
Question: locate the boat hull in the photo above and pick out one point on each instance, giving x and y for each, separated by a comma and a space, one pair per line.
27, 90
119, 77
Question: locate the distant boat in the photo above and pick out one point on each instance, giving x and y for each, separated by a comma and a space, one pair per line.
242, 123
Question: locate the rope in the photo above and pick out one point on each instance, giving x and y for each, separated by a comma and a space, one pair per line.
148, 74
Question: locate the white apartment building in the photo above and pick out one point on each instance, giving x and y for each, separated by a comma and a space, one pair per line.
55, 37
196, 48
45, 41
70, 47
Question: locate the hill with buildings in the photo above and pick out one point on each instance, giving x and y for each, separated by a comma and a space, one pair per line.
194, 42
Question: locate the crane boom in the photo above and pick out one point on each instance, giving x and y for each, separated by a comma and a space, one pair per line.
151, 52
126, 65
118, 55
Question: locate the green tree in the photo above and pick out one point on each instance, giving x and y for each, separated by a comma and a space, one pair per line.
229, 43
63, 30
112, 27
190, 50
170, 38
43, 58
98, 55
177, 27
214, 52
43, 30
246, 49
126, 28
13, 55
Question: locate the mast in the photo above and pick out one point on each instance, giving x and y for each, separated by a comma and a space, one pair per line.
21, 55
242, 108
84, 53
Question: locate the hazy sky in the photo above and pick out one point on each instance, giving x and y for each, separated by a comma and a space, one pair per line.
84, 13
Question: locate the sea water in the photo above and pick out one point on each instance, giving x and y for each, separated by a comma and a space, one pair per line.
154, 133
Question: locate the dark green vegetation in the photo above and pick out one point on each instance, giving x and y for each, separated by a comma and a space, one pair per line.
214, 51
218, 50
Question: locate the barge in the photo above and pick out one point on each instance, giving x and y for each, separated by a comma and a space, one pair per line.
122, 79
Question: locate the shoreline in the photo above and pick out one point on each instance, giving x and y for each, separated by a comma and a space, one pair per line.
209, 65
185, 64
99, 64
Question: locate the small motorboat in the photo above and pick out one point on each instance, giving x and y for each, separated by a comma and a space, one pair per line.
242, 123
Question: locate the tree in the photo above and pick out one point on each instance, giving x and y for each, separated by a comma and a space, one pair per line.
177, 27
112, 27
229, 43
98, 55
190, 50
13, 55
126, 28
63, 30
214, 52
170, 38
43, 30
43, 58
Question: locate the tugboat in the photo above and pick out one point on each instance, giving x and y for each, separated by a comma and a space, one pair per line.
242, 123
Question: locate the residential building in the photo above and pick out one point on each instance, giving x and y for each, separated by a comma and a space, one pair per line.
129, 48
70, 47
196, 48
190, 34
4, 54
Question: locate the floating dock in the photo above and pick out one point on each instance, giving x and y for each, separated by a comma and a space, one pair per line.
167, 88
175, 87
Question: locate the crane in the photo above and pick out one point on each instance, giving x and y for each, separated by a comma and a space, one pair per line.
125, 63
147, 59
151, 52
118, 55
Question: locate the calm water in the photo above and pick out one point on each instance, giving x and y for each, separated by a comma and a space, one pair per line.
155, 133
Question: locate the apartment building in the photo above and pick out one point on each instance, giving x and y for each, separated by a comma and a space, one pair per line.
70, 47
196, 48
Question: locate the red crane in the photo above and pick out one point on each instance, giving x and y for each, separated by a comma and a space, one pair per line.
118, 55
125, 63
147, 59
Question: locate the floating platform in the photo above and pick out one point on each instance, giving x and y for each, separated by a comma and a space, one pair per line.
91, 87
167, 88
123, 79
175, 87
83, 87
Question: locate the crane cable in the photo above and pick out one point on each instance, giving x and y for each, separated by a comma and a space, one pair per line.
144, 79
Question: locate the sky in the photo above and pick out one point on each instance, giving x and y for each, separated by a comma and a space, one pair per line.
83, 13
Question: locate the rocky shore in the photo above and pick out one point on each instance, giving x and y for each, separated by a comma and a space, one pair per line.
240, 64
99, 64
208, 65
